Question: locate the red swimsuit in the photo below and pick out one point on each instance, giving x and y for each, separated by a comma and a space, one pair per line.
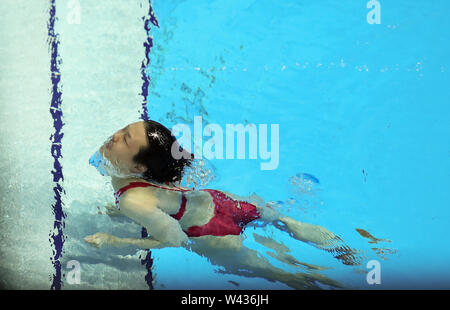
230, 216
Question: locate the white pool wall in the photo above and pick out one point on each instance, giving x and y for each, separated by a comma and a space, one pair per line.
102, 51
26, 124
101, 54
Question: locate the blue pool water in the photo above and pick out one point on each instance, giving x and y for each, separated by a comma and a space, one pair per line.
361, 107
362, 111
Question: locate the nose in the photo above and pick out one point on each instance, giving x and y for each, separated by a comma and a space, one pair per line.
118, 135
114, 137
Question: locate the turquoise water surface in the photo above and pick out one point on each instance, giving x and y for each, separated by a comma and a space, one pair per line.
361, 107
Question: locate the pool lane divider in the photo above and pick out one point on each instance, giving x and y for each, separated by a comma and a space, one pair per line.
56, 234
149, 19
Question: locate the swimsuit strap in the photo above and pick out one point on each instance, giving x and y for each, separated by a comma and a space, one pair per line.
143, 184
168, 188
180, 213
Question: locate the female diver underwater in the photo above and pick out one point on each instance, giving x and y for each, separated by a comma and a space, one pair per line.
145, 178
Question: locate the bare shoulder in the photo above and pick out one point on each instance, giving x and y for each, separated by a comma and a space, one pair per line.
137, 197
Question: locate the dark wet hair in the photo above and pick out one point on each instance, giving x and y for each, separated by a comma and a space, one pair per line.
157, 157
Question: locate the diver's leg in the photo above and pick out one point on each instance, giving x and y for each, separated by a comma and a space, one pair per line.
320, 237
316, 235
268, 213
229, 252
306, 232
301, 231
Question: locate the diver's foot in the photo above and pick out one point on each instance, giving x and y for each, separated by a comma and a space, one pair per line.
346, 255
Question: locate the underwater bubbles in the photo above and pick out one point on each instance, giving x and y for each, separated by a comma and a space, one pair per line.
304, 183
201, 173
304, 189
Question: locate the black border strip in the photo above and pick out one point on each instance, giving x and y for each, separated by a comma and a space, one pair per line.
269, 299
148, 20
56, 234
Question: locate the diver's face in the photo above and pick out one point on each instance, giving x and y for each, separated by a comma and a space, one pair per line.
124, 145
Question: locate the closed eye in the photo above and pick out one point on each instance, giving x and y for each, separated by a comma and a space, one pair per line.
127, 133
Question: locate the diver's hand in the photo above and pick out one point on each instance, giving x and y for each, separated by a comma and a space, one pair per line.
111, 210
100, 240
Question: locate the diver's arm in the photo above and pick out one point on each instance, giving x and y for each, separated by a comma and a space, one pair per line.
101, 240
142, 208
143, 243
